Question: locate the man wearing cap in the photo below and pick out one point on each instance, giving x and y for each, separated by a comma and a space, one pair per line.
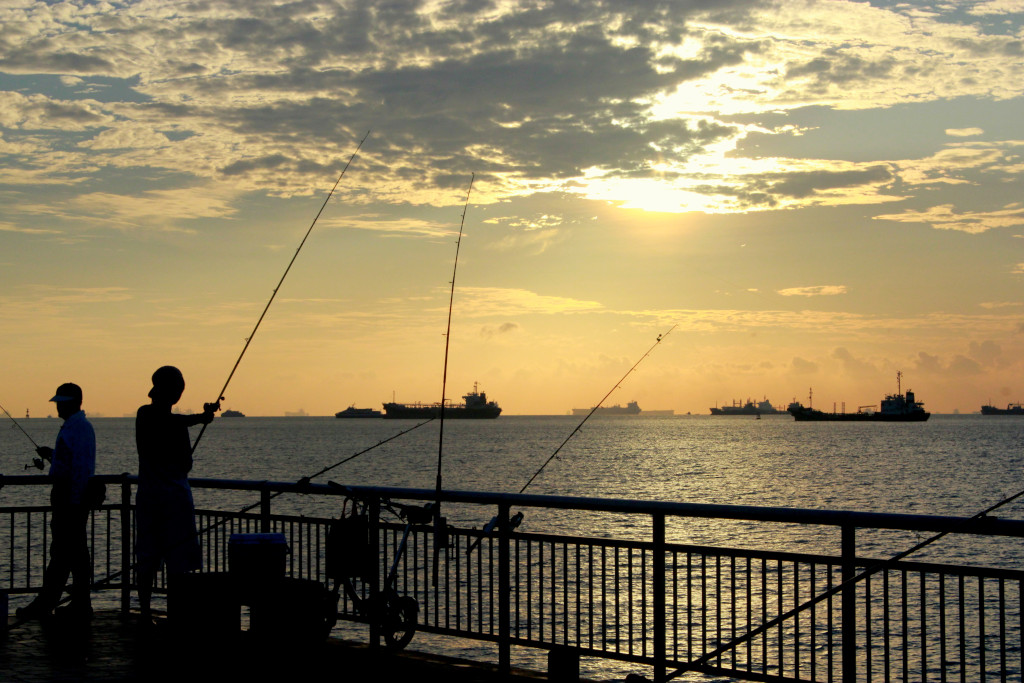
72, 464
165, 515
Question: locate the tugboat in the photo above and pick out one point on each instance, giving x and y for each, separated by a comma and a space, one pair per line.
476, 406
896, 407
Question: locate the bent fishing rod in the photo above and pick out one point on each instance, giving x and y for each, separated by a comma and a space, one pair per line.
36, 462
517, 519
873, 569
248, 340
593, 410
304, 481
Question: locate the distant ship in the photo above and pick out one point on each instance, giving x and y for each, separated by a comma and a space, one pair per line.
352, 411
1011, 409
630, 408
764, 407
476, 406
232, 413
896, 407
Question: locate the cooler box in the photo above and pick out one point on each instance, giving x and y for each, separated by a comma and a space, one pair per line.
256, 560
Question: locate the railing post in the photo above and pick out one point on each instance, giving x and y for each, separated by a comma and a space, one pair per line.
658, 565
265, 509
376, 603
848, 602
504, 592
126, 545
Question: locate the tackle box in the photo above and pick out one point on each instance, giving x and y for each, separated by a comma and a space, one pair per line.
256, 559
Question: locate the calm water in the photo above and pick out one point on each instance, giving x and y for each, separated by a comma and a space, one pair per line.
950, 465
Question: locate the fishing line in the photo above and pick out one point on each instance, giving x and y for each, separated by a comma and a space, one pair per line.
19, 426
306, 480
632, 678
248, 339
36, 462
594, 409
517, 519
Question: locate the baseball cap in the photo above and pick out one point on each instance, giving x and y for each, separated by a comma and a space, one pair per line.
68, 392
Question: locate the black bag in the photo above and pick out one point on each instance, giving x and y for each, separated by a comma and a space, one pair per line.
349, 551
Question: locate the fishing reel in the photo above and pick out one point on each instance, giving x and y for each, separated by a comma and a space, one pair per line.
37, 463
513, 523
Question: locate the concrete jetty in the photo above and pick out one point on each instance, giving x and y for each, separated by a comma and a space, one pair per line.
112, 647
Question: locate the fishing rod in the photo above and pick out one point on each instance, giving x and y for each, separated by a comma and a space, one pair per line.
593, 410
306, 480
440, 527
248, 340
874, 569
517, 519
36, 462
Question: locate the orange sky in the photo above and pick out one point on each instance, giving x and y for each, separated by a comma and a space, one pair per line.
817, 194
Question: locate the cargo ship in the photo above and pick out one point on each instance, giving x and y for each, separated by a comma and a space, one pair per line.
630, 408
896, 407
764, 407
352, 411
1011, 409
476, 406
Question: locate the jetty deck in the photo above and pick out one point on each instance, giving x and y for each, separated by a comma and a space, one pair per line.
113, 648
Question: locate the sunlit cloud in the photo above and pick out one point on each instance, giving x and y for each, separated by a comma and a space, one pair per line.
819, 290
964, 132
394, 226
11, 227
493, 301
994, 305
987, 7
39, 302
946, 217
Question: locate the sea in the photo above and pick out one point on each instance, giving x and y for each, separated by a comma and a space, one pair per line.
954, 465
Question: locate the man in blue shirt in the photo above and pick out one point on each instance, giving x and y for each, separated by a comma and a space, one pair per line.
72, 464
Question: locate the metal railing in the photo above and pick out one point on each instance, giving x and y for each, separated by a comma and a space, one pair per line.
645, 601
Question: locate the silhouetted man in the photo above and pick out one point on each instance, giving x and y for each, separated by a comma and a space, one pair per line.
72, 464
165, 515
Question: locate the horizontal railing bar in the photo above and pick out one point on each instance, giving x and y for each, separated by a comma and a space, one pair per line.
985, 526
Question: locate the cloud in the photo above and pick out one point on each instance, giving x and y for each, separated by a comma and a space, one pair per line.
988, 7
802, 366
503, 329
11, 227
414, 227
532, 96
490, 301
853, 366
818, 290
964, 132
946, 217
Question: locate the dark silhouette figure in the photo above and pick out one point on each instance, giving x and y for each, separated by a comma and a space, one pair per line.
165, 515
72, 464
